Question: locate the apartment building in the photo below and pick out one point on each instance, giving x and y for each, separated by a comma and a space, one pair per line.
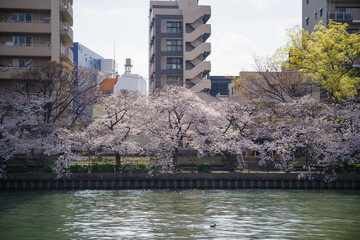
345, 11
85, 57
178, 46
33, 33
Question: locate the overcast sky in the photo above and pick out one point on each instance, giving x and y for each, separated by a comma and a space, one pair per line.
240, 30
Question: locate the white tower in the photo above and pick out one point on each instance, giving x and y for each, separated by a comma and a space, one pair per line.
128, 66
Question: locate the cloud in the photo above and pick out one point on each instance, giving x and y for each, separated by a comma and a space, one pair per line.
110, 12
262, 5
233, 52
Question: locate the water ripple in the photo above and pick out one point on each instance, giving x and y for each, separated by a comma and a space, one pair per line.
163, 214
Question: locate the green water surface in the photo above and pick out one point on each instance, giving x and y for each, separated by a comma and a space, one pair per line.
148, 214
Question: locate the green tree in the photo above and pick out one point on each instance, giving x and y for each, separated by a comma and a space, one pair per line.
327, 56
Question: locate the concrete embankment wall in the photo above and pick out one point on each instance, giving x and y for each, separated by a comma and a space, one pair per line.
176, 181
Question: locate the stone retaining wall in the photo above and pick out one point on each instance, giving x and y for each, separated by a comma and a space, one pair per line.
176, 181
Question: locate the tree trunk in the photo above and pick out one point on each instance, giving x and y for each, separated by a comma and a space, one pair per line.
240, 161
231, 158
118, 162
175, 161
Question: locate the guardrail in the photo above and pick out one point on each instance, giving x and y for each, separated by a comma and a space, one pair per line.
14, 21
11, 44
340, 16
6, 68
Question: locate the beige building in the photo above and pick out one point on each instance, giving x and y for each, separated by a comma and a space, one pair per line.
32, 33
345, 11
272, 86
178, 47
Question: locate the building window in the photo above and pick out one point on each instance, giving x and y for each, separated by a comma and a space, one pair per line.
22, 17
174, 45
22, 41
47, 43
47, 19
352, 31
174, 64
22, 63
349, 9
315, 13
174, 80
174, 27
321, 12
307, 20
307, 2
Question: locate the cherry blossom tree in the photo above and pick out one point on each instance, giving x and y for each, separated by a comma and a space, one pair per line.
173, 115
115, 130
14, 113
297, 128
342, 139
64, 91
61, 94
237, 128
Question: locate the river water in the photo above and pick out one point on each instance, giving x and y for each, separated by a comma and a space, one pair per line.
148, 214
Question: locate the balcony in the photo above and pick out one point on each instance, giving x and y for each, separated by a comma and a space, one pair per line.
66, 12
202, 83
152, 70
7, 72
33, 50
202, 67
196, 52
66, 34
25, 27
21, 4
200, 31
341, 16
66, 54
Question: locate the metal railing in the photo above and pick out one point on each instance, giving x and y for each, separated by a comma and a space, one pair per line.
6, 68
11, 44
64, 26
64, 4
65, 50
340, 16
17, 21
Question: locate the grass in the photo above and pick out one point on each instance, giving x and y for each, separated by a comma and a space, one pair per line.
215, 160
183, 159
112, 160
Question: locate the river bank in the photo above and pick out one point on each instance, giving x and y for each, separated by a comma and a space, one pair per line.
38, 181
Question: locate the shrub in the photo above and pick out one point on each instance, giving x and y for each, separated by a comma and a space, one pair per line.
78, 168
204, 168
17, 168
48, 169
128, 168
134, 168
357, 168
337, 167
107, 168
223, 158
141, 168
155, 168
103, 168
